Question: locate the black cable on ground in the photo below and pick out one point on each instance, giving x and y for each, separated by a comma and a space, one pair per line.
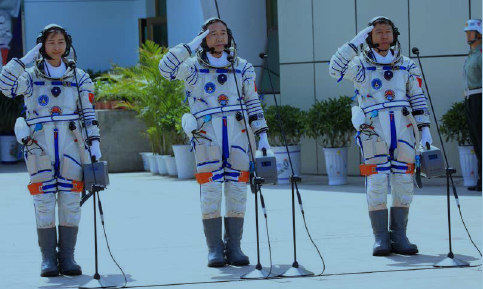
268, 235
101, 213
336, 274
307, 229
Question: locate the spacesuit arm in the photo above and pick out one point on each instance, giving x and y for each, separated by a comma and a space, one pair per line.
256, 119
416, 96
174, 66
88, 115
344, 66
14, 80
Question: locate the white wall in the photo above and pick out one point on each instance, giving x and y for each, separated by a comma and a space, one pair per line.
248, 21
185, 18
310, 31
103, 31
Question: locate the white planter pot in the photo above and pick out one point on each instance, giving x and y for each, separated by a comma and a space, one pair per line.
283, 165
171, 166
469, 165
185, 161
153, 164
336, 165
162, 170
8, 149
144, 156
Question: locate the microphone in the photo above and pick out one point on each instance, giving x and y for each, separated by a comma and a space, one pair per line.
231, 54
262, 55
415, 50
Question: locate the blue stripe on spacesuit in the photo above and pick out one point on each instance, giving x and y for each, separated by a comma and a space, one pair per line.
405, 142
393, 135
69, 157
42, 171
56, 146
239, 147
207, 163
225, 148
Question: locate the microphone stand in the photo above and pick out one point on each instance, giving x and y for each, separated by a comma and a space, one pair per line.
96, 282
255, 185
450, 260
295, 270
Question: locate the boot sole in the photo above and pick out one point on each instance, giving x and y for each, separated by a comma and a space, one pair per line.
405, 252
50, 274
71, 273
217, 264
239, 263
383, 253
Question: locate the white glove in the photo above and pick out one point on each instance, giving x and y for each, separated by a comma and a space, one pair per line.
31, 54
361, 36
426, 136
263, 142
22, 130
189, 124
196, 42
358, 117
96, 150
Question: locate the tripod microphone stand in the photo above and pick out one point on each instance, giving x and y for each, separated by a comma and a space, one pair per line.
255, 185
450, 260
295, 270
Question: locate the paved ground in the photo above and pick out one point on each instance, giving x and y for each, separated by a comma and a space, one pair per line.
154, 229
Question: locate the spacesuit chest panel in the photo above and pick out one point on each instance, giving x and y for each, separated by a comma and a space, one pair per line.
219, 88
383, 84
51, 98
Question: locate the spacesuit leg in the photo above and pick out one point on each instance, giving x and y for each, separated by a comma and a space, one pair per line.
402, 187
376, 168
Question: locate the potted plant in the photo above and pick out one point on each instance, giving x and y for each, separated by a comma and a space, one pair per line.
329, 122
294, 123
455, 128
10, 109
144, 90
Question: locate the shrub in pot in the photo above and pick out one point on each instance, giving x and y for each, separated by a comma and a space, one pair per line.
294, 124
454, 127
10, 110
329, 122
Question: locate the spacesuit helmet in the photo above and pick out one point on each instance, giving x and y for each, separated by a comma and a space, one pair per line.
42, 37
229, 47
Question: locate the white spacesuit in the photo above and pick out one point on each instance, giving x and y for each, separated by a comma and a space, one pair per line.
55, 146
219, 136
388, 90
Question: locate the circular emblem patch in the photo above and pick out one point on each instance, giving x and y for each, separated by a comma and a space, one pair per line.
43, 100
55, 110
223, 100
210, 87
376, 83
389, 94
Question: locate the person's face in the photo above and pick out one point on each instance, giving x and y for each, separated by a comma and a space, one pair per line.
382, 34
55, 45
218, 36
470, 36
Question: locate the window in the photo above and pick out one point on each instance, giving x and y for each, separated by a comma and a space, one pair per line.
155, 28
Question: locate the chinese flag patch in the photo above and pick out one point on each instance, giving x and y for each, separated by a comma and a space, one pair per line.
91, 96
255, 86
420, 81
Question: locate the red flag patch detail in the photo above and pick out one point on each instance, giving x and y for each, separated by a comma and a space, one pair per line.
420, 81
91, 97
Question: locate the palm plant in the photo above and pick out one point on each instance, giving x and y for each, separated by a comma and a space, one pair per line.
158, 102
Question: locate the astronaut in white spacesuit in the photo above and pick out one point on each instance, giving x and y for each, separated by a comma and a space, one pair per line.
391, 105
56, 146
217, 130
